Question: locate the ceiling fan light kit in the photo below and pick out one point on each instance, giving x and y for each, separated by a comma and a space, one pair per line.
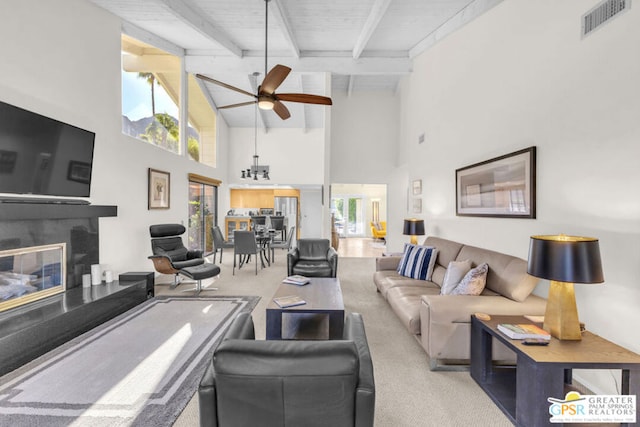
266, 98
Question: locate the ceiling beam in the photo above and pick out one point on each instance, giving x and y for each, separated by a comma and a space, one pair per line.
378, 10
212, 65
151, 39
285, 25
465, 15
196, 20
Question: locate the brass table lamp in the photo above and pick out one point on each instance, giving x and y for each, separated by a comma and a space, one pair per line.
564, 260
413, 227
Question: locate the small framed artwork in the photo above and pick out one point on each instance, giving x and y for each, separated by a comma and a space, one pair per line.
501, 187
79, 172
416, 187
159, 189
417, 205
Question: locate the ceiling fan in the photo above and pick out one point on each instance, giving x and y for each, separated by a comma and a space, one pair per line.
266, 96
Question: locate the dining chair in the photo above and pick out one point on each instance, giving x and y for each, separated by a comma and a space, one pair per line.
277, 223
286, 245
245, 245
219, 244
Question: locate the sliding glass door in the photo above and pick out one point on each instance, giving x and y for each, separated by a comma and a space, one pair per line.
349, 215
203, 213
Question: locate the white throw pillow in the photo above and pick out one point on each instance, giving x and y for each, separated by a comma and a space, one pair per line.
473, 282
456, 271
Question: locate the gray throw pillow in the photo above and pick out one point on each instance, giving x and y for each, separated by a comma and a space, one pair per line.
473, 282
456, 271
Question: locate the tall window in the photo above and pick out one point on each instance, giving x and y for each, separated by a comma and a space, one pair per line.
203, 212
151, 102
150, 94
201, 145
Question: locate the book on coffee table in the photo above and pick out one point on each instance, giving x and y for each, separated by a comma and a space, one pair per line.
523, 331
296, 280
289, 301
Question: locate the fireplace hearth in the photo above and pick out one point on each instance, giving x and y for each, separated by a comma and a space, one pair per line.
30, 330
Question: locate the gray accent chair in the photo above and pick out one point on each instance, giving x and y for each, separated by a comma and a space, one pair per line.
219, 244
288, 383
313, 258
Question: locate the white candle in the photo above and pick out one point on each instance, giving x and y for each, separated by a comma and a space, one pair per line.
96, 274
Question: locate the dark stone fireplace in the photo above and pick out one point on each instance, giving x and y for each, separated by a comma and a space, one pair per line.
31, 330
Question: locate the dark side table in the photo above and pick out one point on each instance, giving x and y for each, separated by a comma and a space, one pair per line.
521, 391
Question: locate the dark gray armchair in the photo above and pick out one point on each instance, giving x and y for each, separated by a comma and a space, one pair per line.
296, 383
313, 258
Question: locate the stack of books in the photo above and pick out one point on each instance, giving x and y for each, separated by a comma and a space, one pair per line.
523, 331
296, 280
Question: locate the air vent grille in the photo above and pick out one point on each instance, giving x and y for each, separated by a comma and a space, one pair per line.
602, 13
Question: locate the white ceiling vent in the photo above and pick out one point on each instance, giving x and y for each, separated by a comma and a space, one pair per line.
601, 13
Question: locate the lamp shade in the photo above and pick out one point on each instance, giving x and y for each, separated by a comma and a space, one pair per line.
413, 227
564, 258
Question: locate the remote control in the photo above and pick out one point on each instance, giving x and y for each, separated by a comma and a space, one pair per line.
535, 341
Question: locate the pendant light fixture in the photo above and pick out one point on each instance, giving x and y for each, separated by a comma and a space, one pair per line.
256, 168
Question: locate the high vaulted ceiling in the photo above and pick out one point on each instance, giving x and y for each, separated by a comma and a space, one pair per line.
331, 45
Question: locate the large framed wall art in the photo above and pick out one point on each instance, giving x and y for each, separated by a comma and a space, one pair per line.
501, 187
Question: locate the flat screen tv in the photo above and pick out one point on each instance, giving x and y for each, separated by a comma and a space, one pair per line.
42, 156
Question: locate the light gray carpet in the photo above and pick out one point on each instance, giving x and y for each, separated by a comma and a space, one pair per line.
407, 393
140, 368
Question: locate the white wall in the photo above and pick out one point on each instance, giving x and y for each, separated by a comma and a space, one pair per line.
68, 68
520, 75
295, 157
364, 136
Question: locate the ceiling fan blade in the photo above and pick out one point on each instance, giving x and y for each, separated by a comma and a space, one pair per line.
241, 104
219, 83
302, 97
281, 110
274, 78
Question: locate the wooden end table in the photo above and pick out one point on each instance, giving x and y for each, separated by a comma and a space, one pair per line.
323, 296
541, 372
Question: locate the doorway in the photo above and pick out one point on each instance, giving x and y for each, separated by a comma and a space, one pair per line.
349, 215
355, 207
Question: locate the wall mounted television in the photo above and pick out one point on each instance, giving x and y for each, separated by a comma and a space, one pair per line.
41, 156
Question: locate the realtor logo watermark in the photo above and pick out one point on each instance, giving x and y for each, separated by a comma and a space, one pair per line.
593, 408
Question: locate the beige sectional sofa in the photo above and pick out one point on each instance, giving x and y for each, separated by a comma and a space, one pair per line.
441, 323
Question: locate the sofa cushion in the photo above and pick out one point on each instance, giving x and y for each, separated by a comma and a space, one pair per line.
405, 303
386, 279
455, 273
507, 274
417, 261
447, 252
473, 282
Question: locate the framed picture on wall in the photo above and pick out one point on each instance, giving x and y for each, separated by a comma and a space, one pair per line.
159, 189
416, 187
501, 187
417, 205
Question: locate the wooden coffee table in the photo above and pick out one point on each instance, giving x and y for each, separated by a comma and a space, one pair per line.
322, 296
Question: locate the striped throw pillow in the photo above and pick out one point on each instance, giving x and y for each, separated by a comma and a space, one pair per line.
417, 261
